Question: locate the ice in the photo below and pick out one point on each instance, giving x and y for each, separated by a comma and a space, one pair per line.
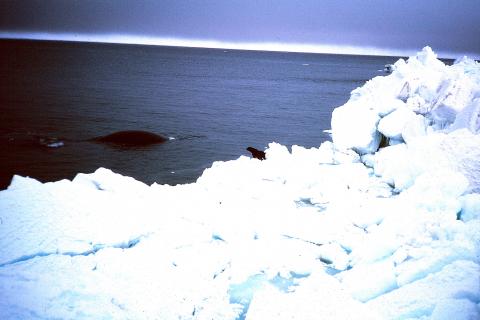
401, 164
414, 128
394, 123
458, 280
381, 223
461, 309
453, 96
334, 255
319, 296
56, 144
360, 120
470, 207
468, 118
368, 281
429, 88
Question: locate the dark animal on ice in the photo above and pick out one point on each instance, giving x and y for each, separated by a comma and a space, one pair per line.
257, 154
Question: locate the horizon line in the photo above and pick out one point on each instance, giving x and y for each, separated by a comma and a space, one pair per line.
228, 45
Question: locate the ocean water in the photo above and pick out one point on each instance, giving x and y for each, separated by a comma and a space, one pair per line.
212, 103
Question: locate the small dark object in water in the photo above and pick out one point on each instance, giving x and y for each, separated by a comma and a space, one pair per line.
257, 154
389, 68
131, 138
51, 142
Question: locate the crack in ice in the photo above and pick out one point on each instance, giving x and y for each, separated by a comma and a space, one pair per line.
95, 248
300, 239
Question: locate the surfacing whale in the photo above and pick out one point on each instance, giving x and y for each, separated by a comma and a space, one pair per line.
131, 138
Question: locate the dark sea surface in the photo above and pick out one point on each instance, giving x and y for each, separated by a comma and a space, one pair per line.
213, 102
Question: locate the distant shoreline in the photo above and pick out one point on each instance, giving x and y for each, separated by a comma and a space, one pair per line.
212, 44
186, 47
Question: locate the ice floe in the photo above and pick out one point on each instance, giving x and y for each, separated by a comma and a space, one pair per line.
381, 223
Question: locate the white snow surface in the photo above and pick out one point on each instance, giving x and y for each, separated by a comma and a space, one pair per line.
342, 231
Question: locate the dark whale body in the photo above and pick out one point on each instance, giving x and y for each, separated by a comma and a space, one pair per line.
131, 138
257, 154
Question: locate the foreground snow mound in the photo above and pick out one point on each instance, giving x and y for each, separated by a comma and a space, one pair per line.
342, 231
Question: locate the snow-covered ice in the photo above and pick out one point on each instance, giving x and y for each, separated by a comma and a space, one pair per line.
381, 223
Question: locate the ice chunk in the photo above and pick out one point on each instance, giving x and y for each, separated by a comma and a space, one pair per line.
319, 296
470, 207
387, 105
368, 160
106, 180
448, 184
334, 255
355, 127
454, 95
19, 183
461, 309
378, 245
416, 126
434, 153
458, 280
277, 152
392, 164
404, 94
428, 58
433, 261
429, 88
368, 281
394, 123
468, 118
418, 104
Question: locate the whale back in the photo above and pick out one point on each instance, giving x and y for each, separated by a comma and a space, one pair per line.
131, 138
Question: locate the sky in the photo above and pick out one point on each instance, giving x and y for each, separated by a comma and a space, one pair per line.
449, 27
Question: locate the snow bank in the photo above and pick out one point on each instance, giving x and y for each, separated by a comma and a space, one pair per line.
383, 223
